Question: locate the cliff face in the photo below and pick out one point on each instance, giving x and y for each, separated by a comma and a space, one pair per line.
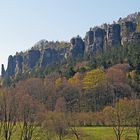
11, 66
19, 61
113, 35
2, 71
97, 39
33, 57
77, 47
94, 40
127, 29
49, 56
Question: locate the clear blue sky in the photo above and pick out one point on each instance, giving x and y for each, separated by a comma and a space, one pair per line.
24, 22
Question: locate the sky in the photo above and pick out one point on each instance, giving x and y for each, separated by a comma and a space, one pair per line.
25, 22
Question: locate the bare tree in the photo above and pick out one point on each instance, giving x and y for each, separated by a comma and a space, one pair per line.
115, 118
8, 112
29, 115
56, 122
136, 117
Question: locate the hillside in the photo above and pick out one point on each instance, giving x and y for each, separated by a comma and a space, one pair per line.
88, 88
98, 40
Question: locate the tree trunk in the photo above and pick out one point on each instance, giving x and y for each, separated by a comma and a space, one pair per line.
75, 133
138, 133
119, 137
138, 136
77, 137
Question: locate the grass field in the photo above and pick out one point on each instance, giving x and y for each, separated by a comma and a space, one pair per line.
104, 133
86, 133
96, 133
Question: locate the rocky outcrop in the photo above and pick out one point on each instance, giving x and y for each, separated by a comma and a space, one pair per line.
33, 57
77, 47
19, 64
94, 40
49, 56
127, 29
11, 66
89, 38
113, 35
3, 72
24, 62
97, 39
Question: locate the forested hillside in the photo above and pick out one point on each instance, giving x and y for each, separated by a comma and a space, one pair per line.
56, 87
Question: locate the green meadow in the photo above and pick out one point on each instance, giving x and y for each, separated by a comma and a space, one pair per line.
85, 133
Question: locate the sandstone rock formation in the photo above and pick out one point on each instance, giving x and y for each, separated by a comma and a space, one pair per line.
19, 64
94, 40
33, 57
127, 29
113, 35
49, 56
97, 39
77, 47
11, 66
2, 71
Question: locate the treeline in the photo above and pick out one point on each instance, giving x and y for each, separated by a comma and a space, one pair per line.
90, 91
